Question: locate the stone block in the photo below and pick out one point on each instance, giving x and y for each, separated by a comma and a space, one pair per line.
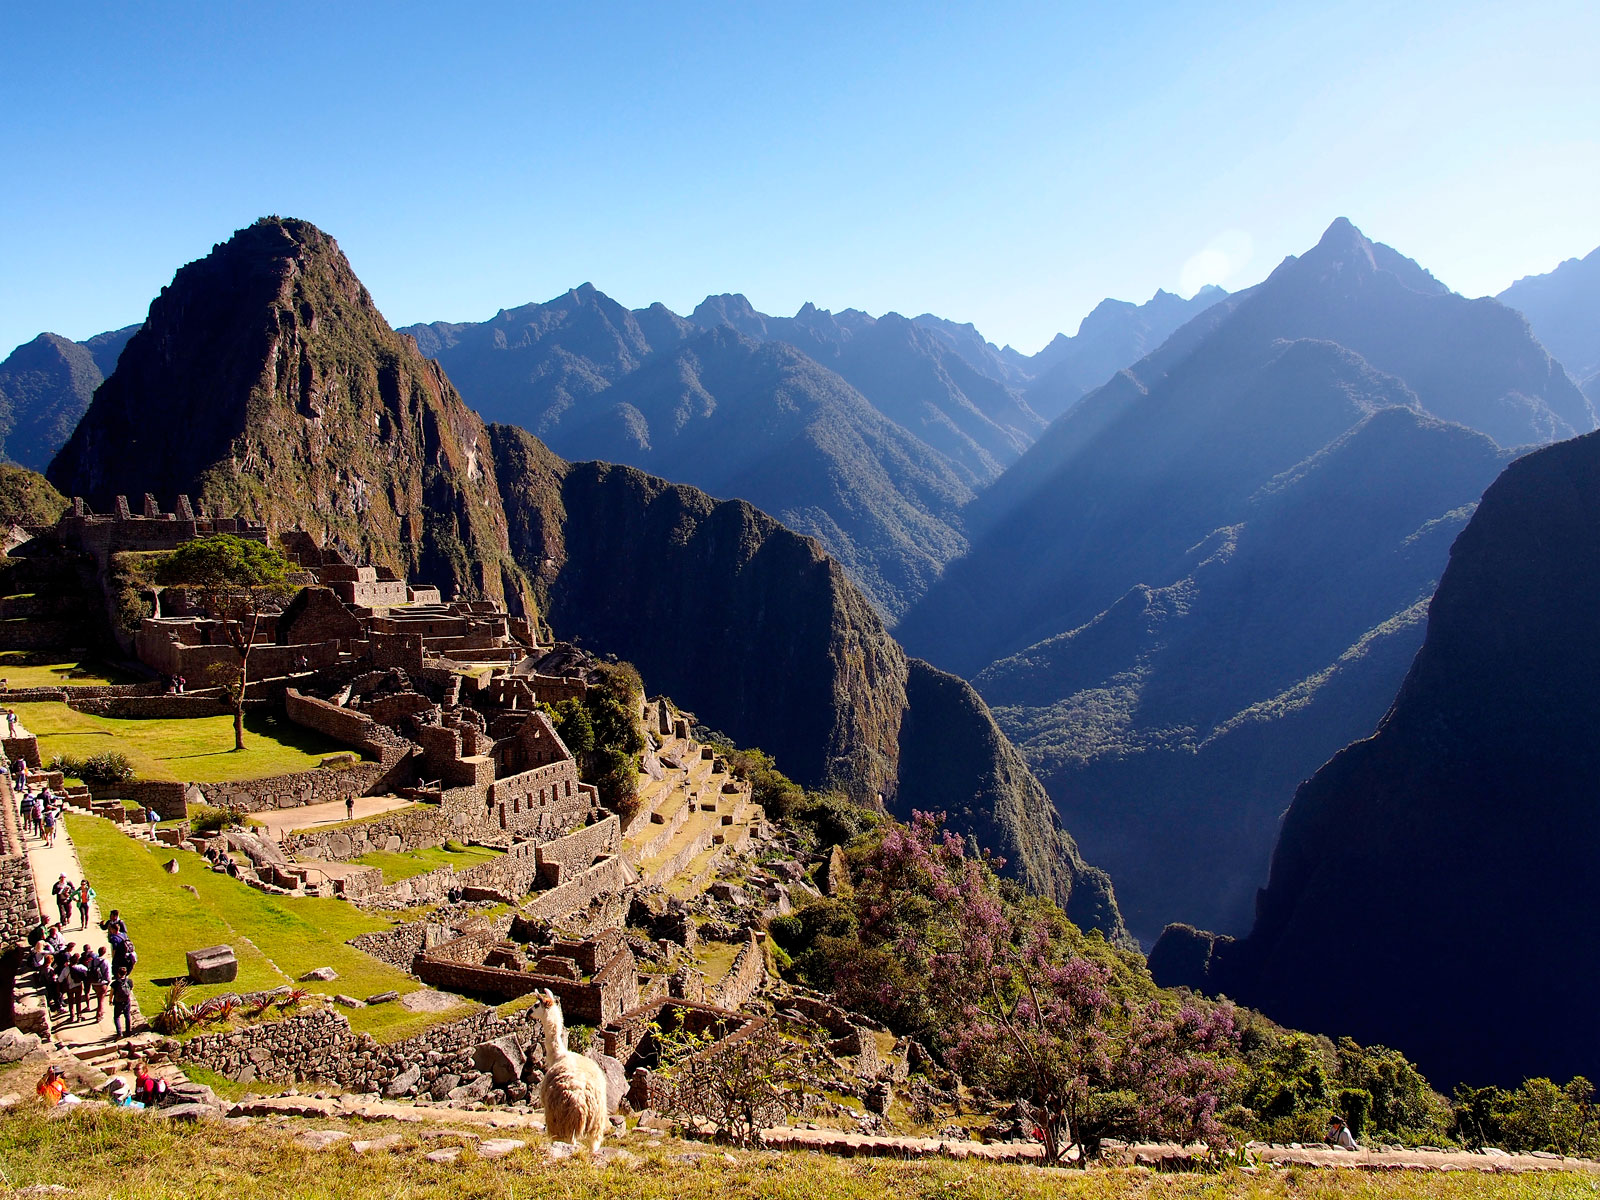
404, 1083
499, 1147
383, 997
502, 1058
319, 975
189, 1112
16, 1045
214, 964
616, 1078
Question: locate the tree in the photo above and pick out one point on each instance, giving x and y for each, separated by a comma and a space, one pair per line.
238, 582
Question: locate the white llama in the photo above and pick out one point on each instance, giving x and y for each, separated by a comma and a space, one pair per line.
573, 1092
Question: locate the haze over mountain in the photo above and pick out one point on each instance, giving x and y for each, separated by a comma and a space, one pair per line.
265, 380
45, 387
1563, 307
1205, 578
870, 433
1431, 887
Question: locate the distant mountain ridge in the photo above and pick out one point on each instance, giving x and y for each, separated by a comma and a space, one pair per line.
45, 388
1205, 577
265, 380
1563, 307
905, 420
1430, 885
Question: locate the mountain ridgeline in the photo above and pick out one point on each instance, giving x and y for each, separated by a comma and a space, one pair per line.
45, 388
1431, 887
1210, 574
872, 434
1563, 308
277, 389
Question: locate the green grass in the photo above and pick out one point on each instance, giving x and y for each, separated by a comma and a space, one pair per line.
29, 669
113, 1153
276, 938
406, 863
189, 750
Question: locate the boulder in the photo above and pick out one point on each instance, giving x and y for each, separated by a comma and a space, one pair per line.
16, 1045
214, 964
443, 1085
188, 1112
404, 1083
171, 866
502, 1058
616, 1078
319, 975
383, 997
476, 1090
349, 1001
498, 1147
189, 1092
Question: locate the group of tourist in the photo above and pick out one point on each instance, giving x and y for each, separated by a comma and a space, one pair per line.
41, 814
68, 973
147, 1090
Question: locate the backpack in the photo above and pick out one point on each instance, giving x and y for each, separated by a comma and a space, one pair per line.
99, 970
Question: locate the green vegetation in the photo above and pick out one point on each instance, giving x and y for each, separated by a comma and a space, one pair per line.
108, 766
404, 864
824, 818
239, 582
100, 1152
31, 669
190, 750
26, 498
276, 939
603, 733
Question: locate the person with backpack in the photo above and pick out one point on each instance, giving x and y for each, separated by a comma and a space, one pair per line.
114, 925
149, 1089
123, 956
122, 1003
100, 980
63, 891
47, 823
85, 895
50, 978
65, 984
79, 994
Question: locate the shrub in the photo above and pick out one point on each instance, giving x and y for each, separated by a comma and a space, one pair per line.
107, 767
205, 819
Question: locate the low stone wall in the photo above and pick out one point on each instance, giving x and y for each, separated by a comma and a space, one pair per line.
166, 707
19, 906
562, 857
320, 1046
73, 691
613, 990
25, 748
606, 878
36, 634
318, 786
745, 975
397, 946
169, 800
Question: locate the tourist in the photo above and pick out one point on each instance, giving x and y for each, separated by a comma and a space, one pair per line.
121, 1094
122, 1003
152, 816
349, 808
62, 965
1339, 1135
100, 980
11, 723
49, 979
52, 1088
47, 822
78, 984
114, 925
123, 955
147, 1088
64, 892
85, 895
182, 683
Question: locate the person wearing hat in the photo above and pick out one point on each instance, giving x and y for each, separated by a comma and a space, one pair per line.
121, 1094
52, 1088
1339, 1135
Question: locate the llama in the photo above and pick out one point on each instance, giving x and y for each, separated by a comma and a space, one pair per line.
573, 1092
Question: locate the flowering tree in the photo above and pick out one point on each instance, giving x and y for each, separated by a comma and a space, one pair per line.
1022, 1014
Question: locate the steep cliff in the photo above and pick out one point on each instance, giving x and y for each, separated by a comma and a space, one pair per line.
763, 635
1431, 886
266, 381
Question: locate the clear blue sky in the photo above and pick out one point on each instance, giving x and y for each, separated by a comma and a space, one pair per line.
1008, 164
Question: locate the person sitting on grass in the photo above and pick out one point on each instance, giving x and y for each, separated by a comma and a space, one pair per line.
52, 1088
148, 1089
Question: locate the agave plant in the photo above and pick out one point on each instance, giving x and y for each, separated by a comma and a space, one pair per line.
175, 1016
292, 998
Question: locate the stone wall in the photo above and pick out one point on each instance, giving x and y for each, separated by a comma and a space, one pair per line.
165, 707
606, 878
170, 800
320, 1046
72, 691
317, 786
25, 748
613, 990
745, 975
19, 906
561, 858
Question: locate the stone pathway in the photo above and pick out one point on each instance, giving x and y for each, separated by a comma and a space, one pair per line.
49, 864
279, 821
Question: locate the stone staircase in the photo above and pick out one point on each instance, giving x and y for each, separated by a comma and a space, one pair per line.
688, 822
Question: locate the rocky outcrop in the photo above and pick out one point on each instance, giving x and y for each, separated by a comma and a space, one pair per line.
1430, 889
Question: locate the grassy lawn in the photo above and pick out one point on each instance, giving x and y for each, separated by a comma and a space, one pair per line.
406, 863
113, 1153
276, 939
191, 750
28, 669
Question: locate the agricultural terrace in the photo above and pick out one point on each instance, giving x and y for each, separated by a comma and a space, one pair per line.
187, 750
276, 938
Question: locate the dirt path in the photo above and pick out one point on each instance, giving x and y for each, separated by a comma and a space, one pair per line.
279, 821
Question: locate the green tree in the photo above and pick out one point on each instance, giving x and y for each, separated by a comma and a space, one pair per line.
238, 582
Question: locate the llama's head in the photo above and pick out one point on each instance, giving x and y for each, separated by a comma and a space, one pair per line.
548, 1009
